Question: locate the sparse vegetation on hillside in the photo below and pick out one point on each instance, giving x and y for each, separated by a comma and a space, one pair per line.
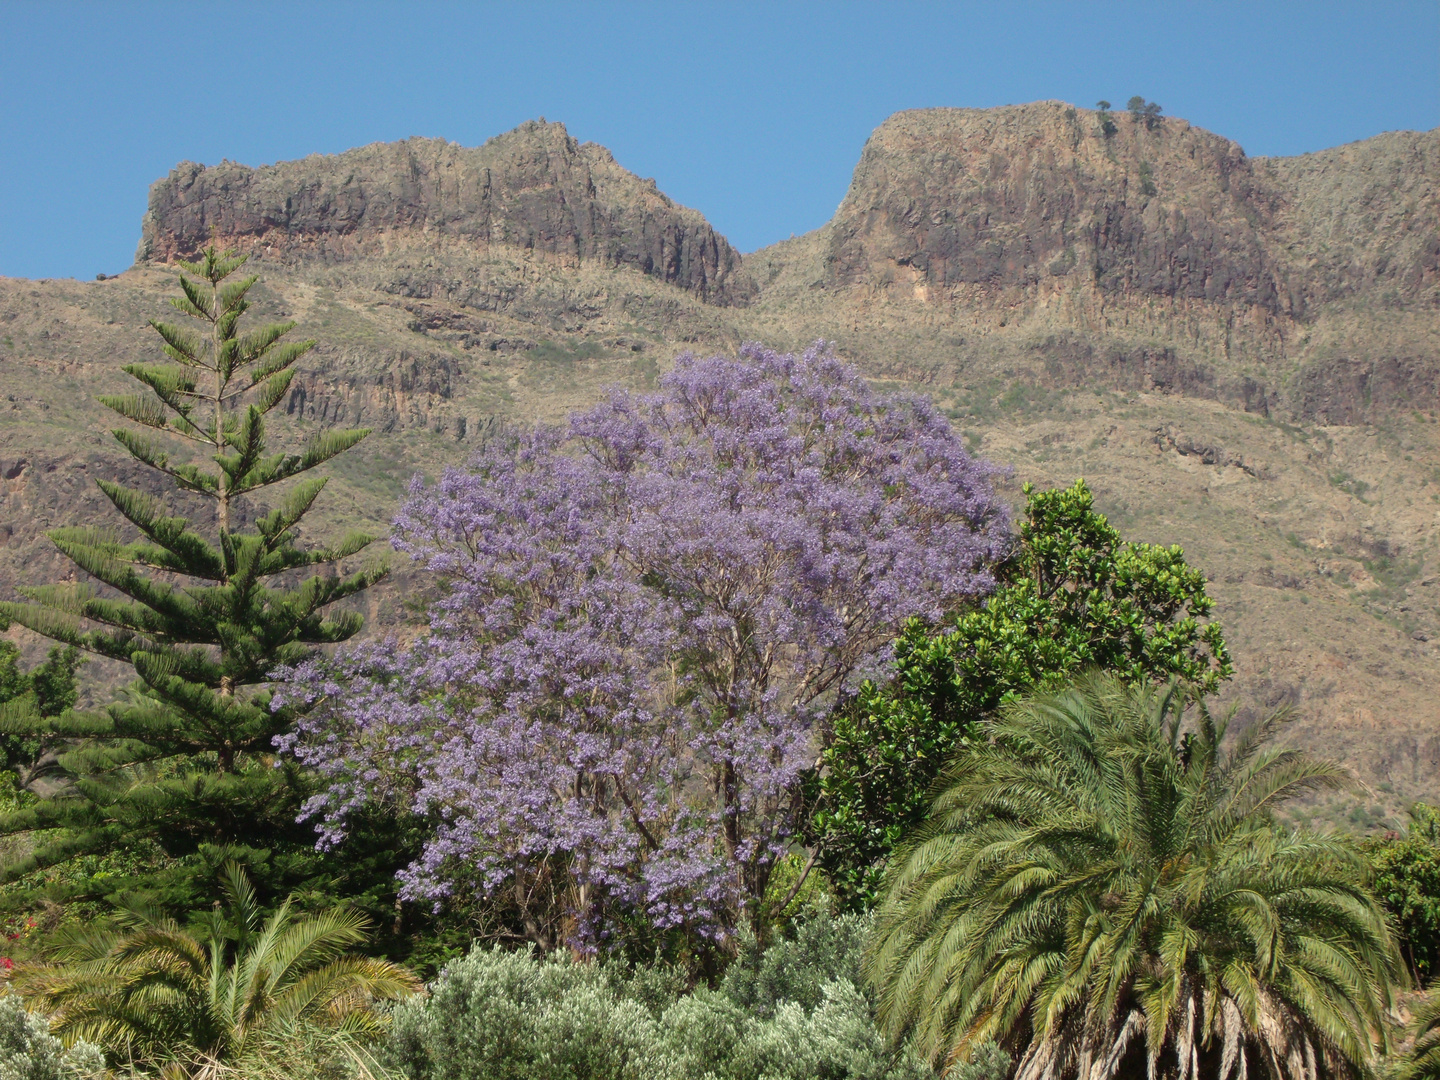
1144, 112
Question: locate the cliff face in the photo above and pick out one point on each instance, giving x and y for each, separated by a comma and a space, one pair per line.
1363, 220
534, 189
1031, 195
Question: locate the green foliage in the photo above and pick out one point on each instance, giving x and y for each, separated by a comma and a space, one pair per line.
1100, 881
795, 886
1423, 1060
797, 968
1106, 123
1144, 112
185, 761
29, 701
989, 1061
29, 1052
1407, 880
154, 994
1074, 595
1147, 180
792, 1010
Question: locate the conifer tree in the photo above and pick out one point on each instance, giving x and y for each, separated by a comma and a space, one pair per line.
203, 612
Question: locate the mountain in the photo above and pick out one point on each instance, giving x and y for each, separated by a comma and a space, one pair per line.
534, 189
1241, 354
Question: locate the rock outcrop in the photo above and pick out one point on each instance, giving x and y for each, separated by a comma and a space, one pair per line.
1029, 194
535, 189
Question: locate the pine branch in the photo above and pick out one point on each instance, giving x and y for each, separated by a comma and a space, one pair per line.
136, 407
88, 549
66, 629
180, 345
232, 295
279, 359
275, 527
144, 450
289, 558
170, 382
192, 554
195, 302
173, 386
163, 675
273, 390
328, 445
249, 442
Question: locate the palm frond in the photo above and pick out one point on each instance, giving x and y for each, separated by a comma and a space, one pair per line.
1099, 868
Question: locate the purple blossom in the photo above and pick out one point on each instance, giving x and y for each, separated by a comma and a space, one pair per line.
641, 620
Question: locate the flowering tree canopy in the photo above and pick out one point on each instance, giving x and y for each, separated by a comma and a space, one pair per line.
641, 620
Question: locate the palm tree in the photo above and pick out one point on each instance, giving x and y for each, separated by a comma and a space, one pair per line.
1106, 894
1423, 1060
158, 995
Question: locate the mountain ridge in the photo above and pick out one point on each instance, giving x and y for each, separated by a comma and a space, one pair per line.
1246, 361
534, 188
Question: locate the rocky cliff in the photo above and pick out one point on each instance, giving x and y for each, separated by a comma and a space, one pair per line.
534, 189
1036, 194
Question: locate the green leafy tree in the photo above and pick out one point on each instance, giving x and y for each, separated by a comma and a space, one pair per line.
202, 612
1407, 880
1101, 888
1074, 595
29, 700
1144, 112
237, 992
1107, 124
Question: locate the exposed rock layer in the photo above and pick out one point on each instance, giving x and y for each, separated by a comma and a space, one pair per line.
1028, 194
534, 188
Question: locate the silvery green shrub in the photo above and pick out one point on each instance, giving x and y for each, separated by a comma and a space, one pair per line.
824, 949
497, 1015
29, 1052
989, 1062
793, 1011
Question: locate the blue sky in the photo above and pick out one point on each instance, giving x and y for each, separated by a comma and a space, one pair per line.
752, 113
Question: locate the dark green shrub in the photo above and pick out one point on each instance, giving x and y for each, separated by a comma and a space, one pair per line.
1407, 881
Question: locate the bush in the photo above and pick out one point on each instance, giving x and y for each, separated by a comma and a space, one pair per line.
497, 1015
792, 1010
1407, 881
823, 950
29, 1052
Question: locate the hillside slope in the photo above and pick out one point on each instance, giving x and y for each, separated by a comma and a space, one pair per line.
1242, 355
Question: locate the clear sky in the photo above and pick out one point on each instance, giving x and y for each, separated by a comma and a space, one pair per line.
753, 113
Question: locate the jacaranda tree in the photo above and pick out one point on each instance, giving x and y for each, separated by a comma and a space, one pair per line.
640, 620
